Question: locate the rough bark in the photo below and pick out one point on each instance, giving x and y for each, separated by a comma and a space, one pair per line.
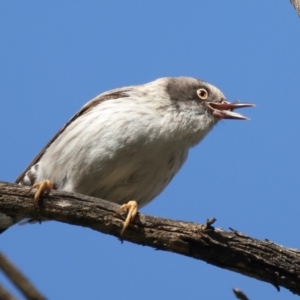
296, 4
263, 260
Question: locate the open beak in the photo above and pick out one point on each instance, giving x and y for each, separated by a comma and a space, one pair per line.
224, 109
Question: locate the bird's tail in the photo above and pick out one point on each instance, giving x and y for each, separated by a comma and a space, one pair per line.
6, 221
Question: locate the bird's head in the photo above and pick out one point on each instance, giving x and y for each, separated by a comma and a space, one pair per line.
203, 97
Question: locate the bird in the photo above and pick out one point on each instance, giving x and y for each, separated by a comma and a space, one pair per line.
126, 144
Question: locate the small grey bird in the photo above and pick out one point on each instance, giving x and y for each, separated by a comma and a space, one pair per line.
127, 144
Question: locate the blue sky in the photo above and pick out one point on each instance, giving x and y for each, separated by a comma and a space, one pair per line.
57, 55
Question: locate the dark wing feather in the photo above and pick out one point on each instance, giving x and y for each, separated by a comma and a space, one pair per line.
122, 93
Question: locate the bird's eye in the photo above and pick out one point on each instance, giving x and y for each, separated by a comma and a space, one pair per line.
202, 94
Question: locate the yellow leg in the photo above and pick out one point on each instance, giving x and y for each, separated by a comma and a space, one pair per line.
132, 208
41, 187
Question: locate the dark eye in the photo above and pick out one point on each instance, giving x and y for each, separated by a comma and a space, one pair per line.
202, 94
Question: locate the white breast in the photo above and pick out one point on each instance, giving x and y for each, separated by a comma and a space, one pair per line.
122, 150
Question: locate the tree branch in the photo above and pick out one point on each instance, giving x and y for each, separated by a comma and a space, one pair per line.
233, 250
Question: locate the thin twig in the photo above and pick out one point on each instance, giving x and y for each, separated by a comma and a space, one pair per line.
21, 282
240, 294
6, 295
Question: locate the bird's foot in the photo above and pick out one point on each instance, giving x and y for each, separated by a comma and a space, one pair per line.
41, 187
132, 208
